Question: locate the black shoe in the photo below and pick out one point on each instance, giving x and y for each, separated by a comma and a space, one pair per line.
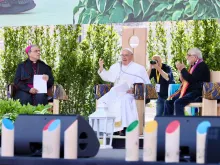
16, 6
116, 133
122, 133
119, 133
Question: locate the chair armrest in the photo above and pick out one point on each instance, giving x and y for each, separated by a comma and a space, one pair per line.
59, 93
211, 91
139, 91
11, 91
101, 89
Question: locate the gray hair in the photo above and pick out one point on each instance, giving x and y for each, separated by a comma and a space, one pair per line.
129, 50
196, 52
32, 46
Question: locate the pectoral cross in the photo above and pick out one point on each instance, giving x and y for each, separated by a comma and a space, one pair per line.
117, 80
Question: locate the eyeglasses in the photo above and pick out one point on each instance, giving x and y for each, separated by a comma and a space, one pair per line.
36, 51
189, 55
125, 55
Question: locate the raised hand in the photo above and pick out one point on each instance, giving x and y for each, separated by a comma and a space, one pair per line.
101, 63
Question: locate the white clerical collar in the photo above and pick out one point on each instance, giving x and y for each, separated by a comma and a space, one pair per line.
128, 64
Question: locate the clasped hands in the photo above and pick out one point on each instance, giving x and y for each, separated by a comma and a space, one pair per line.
180, 66
33, 90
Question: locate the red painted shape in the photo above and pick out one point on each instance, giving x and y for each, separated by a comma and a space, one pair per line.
172, 126
47, 125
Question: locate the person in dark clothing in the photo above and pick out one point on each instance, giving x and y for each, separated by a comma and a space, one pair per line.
23, 81
192, 83
163, 76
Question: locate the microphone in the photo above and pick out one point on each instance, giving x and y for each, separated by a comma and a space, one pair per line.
138, 77
119, 59
132, 74
120, 63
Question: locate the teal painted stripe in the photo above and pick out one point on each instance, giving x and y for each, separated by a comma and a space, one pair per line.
54, 125
8, 124
203, 127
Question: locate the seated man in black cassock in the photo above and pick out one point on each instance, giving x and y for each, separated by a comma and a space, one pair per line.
23, 81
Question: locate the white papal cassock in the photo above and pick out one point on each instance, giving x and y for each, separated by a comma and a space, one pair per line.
121, 104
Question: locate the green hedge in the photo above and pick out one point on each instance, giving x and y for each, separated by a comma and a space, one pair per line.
10, 109
204, 34
74, 63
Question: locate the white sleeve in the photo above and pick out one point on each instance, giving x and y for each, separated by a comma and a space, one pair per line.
144, 76
108, 75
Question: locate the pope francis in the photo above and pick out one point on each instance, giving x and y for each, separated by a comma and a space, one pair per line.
120, 99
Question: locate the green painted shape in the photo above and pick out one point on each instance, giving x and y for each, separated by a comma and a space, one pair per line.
132, 126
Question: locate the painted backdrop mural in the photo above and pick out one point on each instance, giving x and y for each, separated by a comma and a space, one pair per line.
120, 11
61, 12
36, 12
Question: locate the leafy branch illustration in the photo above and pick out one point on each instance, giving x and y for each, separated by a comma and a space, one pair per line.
119, 11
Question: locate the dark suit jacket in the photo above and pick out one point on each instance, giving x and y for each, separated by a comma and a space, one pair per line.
200, 75
24, 76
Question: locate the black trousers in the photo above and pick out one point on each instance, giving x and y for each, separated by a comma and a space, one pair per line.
176, 105
26, 98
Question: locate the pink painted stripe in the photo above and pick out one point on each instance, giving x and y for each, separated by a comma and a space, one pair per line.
47, 125
172, 126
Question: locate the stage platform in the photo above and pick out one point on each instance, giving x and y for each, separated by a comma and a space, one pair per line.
39, 161
114, 154
104, 157
103, 154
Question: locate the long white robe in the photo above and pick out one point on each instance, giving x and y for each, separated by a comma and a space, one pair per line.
121, 104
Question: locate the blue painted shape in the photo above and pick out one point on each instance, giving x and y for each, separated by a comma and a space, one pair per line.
54, 125
8, 124
203, 126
